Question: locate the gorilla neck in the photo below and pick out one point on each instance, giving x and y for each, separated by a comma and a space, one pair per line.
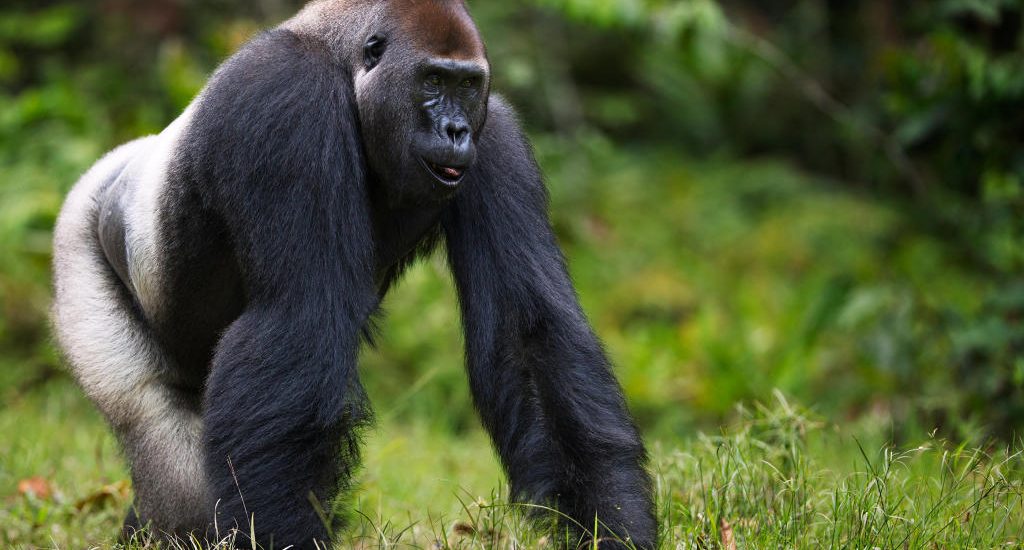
402, 231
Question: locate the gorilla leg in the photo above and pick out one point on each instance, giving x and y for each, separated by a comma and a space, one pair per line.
117, 362
282, 440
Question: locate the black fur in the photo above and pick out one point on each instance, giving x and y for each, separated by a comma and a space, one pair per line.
541, 382
280, 243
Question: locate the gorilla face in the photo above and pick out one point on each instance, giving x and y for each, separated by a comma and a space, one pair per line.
450, 96
422, 100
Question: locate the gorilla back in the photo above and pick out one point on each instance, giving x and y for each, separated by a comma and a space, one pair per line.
212, 282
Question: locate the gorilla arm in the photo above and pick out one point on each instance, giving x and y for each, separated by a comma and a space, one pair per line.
539, 377
275, 152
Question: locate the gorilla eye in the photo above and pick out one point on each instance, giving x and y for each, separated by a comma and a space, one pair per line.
373, 50
434, 79
468, 83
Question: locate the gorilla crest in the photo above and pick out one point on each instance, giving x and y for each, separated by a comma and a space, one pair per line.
213, 281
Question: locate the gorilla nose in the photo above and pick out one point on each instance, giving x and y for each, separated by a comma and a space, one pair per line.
458, 133
451, 151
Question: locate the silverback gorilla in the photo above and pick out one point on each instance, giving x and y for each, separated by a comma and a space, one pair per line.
214, 282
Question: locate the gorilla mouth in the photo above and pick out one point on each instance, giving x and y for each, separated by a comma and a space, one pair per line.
448, 175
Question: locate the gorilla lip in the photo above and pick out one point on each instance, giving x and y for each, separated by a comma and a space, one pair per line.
448, 175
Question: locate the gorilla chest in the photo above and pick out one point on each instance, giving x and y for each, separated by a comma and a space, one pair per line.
401, 233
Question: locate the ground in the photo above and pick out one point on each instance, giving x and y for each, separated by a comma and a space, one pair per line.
777, 477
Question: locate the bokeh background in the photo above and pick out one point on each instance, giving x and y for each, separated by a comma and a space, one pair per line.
819, 197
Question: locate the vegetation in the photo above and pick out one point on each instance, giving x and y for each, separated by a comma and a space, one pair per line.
813, 199
777, 477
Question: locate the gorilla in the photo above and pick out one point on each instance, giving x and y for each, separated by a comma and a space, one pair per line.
214, 282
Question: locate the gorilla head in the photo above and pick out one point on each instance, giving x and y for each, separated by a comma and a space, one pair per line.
421, 80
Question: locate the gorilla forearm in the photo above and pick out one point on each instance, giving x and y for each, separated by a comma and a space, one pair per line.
583, 405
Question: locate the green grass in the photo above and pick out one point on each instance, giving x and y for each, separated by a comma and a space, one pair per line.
776, 477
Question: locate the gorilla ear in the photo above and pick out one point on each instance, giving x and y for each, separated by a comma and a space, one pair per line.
373, 50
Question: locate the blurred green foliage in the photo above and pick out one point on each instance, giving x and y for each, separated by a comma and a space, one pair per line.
852, 233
